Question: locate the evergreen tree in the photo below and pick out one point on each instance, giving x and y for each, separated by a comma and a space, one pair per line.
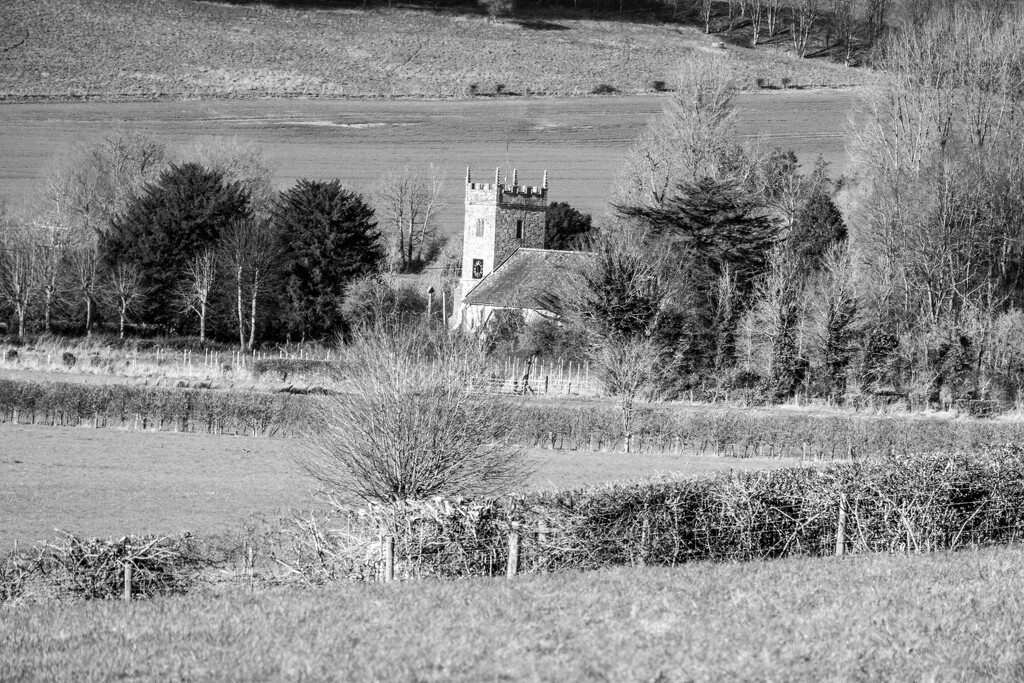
718, 223
330, 238
565, 227
178, 216
818, 227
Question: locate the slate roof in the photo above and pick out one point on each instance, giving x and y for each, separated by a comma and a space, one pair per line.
529, 278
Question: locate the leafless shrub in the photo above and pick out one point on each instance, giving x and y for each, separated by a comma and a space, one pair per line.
412, 425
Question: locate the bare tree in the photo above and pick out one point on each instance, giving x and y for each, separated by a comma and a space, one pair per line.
694, 138
86, 279
773, 10
757, 12
412, 425
250, 251
52, 242
96, 179
407, 204
804, 15
124, 283
19, 269
239, 162
628, 367
197, 285
706, 8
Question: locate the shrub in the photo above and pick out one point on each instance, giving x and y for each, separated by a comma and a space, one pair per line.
659, 86
761, 82
603, 89
411, 425
68, 359
77, 568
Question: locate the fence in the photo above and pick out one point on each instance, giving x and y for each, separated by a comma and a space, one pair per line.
530, 378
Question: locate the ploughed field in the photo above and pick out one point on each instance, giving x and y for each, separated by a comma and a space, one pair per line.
582, 142
107, 482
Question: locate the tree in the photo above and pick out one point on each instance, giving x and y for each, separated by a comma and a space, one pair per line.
250, 251
126, 290
86, 279
373, 302
819, 227
52, 243
238, 162
408, 203
411, 426
98, 179
694, 138
718, 223
19, 269
180, 215
329, 240
565, 227
196, 286
804, 15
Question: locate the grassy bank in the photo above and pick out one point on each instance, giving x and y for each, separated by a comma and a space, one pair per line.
141, 49
879, 617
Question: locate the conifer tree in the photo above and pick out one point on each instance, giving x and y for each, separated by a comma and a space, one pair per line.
179, 215
330, 238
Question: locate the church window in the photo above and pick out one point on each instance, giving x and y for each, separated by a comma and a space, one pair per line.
478, 268
519, 229
479, 227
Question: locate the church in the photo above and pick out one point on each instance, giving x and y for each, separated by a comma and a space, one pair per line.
504, 262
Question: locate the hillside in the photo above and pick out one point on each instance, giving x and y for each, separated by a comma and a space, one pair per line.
136, 49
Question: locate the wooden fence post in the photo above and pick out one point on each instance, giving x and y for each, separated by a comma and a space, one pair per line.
841, 527
513, 553
127, 581
389, 559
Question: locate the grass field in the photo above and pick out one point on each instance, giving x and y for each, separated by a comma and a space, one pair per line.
582, 142
942, 617
59, 49
110, 483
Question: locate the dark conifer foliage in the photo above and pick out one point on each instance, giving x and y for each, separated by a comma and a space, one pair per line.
565, 227
178, 216
818, 227
330, 238
717, 222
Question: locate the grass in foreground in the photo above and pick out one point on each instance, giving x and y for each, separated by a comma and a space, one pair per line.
926, 617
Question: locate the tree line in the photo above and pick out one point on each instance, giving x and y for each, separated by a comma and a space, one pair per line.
726, 267
131, 237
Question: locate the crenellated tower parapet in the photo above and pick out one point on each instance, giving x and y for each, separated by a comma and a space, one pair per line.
501, 216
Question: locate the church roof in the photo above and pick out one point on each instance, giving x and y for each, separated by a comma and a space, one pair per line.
537, 279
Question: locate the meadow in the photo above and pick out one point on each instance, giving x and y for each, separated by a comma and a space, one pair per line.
935, 617
109, 483
84, 49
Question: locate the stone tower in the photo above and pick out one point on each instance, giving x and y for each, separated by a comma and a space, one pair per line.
500, 218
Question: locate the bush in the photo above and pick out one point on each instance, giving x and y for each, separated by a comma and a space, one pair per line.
68, 359
604, 89
77, 568
411, 425
659, 86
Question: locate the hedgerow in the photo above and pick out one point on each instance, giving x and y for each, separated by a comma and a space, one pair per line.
141, 407
908, 504
708, 430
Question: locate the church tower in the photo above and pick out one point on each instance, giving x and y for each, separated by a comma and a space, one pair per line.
500, 218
